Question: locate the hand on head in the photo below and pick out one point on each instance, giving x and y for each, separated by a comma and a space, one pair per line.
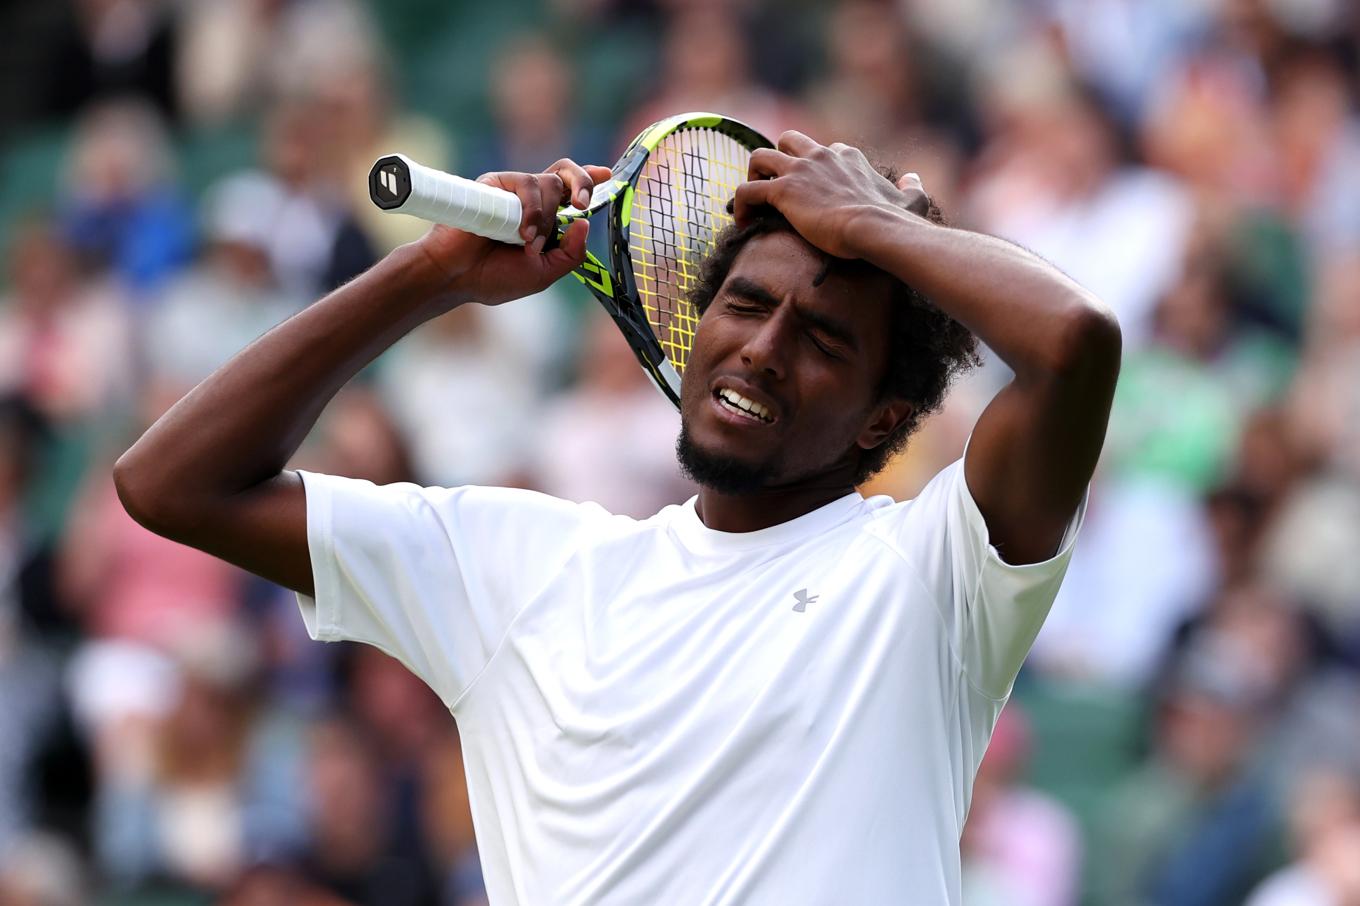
824, 191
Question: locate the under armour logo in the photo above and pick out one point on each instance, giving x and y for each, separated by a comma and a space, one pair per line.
804, 599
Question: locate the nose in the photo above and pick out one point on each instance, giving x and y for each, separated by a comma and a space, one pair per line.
766, 347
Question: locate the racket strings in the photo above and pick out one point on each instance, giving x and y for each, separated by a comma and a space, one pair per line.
679, 209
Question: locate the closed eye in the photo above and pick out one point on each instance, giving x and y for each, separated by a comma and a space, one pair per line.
826, 348
744, 309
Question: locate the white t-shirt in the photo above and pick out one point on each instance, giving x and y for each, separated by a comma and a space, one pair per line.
655, 712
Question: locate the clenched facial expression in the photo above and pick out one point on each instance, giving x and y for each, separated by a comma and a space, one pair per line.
782, 382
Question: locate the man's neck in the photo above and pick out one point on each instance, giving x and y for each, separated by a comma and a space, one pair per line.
762, 509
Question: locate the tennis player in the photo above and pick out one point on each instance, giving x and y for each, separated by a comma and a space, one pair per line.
776, 693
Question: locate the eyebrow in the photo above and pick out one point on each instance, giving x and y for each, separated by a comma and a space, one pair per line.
749, 289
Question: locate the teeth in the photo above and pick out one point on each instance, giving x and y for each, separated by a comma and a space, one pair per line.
749, 406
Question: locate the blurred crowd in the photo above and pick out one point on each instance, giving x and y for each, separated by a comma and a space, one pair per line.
1187, 730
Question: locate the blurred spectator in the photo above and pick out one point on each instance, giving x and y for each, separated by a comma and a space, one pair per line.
364, 121
1121, 602
1200, 358
34, 718
704, 67
1236, 517
357, 438
236, 56
531, 90
271, 884
215, 309
26, 582
1324, 408
1125, 47
1257, 625
121, 210
615, 416
1269, 461
885, 88
1146, 560
113, 48
1196, 823
322, 56
1310, 549
128, 584
314, 241
448, 823
1206, 124
42, 870
186, 798
476, 365
65, 350
423, 771
969, 29
64, 343
1318, 145
873, 82
1325, 821
353, 852
1056, 178
223, 64
30, 689
1020, 847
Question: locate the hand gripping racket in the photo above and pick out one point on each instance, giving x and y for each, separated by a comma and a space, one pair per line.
667, 204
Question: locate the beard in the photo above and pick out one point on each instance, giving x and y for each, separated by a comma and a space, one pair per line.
722, 474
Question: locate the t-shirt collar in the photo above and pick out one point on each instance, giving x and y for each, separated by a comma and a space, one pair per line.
698, 537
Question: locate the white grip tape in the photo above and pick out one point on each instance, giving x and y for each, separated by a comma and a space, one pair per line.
457, 202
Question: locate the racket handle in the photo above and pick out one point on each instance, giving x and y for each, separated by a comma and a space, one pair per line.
397, 183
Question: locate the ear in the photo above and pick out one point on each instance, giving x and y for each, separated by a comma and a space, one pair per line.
887, 418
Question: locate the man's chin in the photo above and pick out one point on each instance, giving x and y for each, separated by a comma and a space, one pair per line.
719, 472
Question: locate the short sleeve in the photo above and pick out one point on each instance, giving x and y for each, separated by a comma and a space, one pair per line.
992, 610
432, 576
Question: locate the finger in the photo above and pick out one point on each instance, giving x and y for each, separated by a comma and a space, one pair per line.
526, 188
598, 173
909, 181
766, 163
796, 143
751, 195
555, 195
556, 192
577, 181
570, 253
918, 202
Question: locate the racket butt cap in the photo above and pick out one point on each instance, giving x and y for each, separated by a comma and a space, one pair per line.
389, 182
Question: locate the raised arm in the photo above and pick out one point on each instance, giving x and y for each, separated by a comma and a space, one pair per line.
210, 472
1035, 446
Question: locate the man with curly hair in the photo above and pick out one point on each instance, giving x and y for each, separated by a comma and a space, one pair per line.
778, 692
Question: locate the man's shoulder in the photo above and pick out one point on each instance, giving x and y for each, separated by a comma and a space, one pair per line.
460, 504
928, 502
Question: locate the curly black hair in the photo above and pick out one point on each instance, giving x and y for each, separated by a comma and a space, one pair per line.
929, 348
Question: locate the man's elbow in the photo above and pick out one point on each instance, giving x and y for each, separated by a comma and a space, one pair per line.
145, 503
1091, 343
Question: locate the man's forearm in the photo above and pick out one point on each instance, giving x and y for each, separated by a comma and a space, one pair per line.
240, 426
1036, 318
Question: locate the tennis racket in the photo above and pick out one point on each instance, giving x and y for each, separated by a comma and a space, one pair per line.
667, 204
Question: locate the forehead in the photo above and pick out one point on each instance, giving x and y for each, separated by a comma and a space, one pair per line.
787, 265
